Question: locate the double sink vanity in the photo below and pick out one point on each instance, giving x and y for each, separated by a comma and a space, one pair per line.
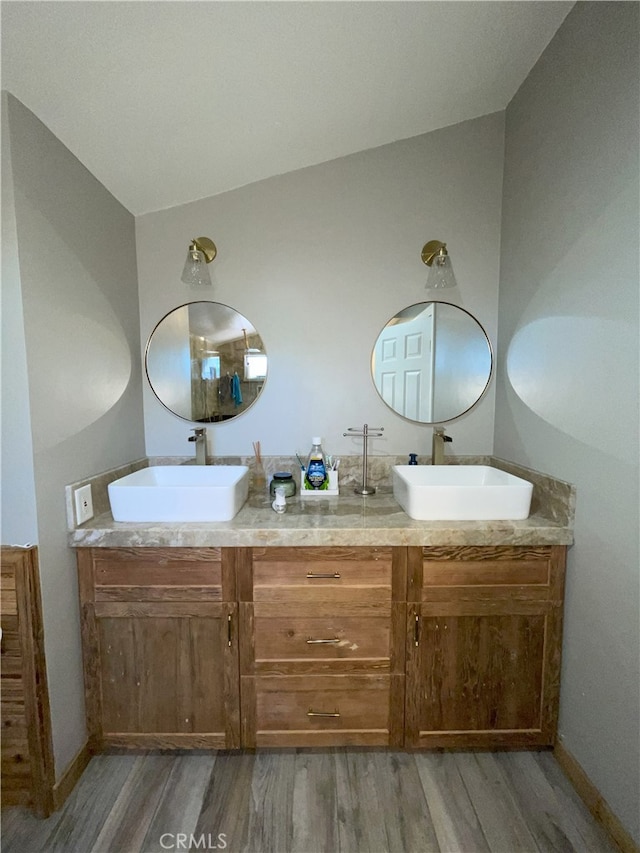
343, 621
428, 614
176, 493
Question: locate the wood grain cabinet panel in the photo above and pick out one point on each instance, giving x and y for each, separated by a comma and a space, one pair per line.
314, 710
316, 638
475, 573
163, 676
163, 574
27, 748
323, 625
160, 671
228, 647
321, 575
483, 647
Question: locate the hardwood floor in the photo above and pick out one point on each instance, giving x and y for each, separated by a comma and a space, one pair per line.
315, 800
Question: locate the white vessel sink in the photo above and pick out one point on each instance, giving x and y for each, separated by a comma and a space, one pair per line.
460, 493
180, 493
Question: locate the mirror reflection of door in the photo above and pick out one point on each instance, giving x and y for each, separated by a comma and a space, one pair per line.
432, 362
403, 366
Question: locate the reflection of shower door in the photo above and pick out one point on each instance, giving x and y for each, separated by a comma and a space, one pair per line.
403, 366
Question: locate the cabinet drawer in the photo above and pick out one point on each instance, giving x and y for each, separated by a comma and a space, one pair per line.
322, 710
322, 574
321, 638
438, 574
157, 574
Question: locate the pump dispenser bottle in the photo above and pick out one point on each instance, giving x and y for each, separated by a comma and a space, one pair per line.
316, 476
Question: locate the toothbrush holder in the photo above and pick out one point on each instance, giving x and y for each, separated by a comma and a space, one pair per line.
331, 492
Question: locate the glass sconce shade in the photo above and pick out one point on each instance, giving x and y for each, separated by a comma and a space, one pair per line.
441, 273
195, 269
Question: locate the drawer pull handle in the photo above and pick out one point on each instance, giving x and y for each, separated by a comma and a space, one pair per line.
332, 642
316, 575
311, 713
229, 636
416, 631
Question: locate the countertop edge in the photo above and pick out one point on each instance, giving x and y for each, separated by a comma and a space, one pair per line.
532, 531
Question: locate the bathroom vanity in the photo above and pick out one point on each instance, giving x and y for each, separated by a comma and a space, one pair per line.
345, 623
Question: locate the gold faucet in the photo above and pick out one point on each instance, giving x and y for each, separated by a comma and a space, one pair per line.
437, 446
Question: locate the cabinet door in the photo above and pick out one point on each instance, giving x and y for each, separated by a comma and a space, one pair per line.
481, 674
483, 645
160, 647
164, 674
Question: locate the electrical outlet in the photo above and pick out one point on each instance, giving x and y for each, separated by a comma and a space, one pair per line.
84, 504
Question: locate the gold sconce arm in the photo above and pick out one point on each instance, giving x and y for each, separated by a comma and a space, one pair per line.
431, 249
206, 246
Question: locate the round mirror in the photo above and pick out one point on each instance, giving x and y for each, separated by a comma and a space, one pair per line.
205, 362
432, 362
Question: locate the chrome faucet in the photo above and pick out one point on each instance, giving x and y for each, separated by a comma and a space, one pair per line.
437, 446
200, 438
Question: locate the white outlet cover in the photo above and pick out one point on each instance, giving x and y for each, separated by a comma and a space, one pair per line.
84, 504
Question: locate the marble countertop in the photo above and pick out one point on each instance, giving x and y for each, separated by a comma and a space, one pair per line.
346, 520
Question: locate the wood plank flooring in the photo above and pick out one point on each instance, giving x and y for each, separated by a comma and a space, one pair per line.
315, 801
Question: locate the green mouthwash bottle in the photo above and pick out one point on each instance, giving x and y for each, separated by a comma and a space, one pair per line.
316, 476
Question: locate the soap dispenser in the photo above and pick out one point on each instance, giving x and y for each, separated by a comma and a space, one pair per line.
413, 459
279, 503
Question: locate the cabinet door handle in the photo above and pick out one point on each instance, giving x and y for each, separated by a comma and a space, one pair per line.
332, 642
316, 575
416, 631
229, 630
311, 713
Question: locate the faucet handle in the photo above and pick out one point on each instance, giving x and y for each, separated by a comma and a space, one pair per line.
197, 433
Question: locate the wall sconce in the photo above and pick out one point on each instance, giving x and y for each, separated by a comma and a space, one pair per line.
201, 252
436, 257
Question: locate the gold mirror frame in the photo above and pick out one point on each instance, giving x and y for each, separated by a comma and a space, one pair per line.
205, 362
432, 362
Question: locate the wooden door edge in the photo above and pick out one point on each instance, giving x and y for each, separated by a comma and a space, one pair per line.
34, 674
67, 782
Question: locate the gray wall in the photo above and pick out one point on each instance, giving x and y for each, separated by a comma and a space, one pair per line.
567, 398
77, 270
319, 260
18, 522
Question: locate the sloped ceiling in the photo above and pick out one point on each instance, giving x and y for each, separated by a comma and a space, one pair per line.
168, 102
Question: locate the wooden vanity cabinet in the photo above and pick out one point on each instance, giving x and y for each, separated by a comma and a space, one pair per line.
483, 646
160, 640
305, 646
322, 646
